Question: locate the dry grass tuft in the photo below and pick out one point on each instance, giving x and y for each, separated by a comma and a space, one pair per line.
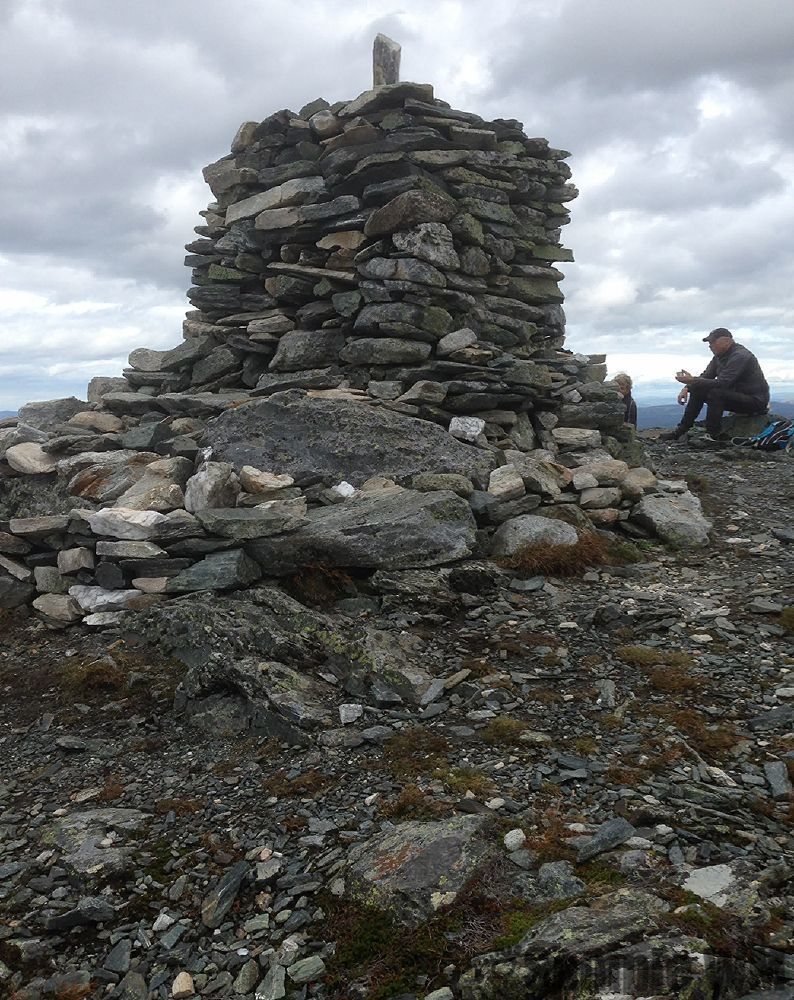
182, 807
413, 803
302, 786
710, 740
650, 656
76, 991
558, 560
81, 677
414, 752
466, 779
698, 484
503, 732
673, 680
112, 790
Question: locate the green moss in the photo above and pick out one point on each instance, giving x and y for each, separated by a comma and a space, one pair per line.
374, 948
698, 484
377, 952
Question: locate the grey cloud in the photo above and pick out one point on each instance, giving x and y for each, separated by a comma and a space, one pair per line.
109, 103
619, 45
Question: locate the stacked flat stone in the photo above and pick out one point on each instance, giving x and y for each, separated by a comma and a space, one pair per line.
372, 376
390, 244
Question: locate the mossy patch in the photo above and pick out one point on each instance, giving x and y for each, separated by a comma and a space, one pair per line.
713, 740
465, 779
519, 920
320, 586
308, 784
673, 680
601, 877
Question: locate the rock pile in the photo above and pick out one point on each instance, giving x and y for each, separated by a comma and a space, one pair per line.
372, 376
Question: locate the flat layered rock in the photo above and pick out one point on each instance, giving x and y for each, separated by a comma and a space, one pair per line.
408, 210
338, 440
391, 529
218, 571
386, 96
42, 415
250, 522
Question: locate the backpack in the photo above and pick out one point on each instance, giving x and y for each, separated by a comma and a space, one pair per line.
777, 436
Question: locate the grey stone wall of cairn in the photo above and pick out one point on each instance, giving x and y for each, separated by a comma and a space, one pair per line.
372, 375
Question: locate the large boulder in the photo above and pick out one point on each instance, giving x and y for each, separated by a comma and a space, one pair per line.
336, 439
103, 477
13, 592
390, 529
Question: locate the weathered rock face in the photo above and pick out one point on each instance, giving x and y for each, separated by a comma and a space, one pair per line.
677, 518
389, 529
338, 440
418, 867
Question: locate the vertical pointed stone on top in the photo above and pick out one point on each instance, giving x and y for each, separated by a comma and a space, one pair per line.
385, 61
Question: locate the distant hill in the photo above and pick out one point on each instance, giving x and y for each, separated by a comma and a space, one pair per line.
7, 413
669, 414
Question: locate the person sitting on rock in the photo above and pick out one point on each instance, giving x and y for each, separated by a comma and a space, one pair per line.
625, 384
732, 381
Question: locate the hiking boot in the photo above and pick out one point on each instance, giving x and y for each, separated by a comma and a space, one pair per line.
707, 441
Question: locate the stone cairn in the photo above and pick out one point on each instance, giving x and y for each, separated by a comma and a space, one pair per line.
372, 376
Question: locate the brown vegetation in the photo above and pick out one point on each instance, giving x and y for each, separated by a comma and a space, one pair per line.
558, 560
413, 803
414, 752
650, 656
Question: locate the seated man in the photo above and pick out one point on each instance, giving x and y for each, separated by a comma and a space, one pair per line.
733, 381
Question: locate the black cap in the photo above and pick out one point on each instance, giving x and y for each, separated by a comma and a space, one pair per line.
716, 334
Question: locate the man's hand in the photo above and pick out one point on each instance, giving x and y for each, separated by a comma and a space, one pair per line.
684, 376
682, 396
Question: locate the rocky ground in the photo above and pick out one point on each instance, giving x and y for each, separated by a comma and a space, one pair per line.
549, 786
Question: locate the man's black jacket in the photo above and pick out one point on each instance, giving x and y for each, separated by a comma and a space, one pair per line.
737, 370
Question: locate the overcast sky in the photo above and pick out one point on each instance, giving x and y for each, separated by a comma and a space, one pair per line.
679, 115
